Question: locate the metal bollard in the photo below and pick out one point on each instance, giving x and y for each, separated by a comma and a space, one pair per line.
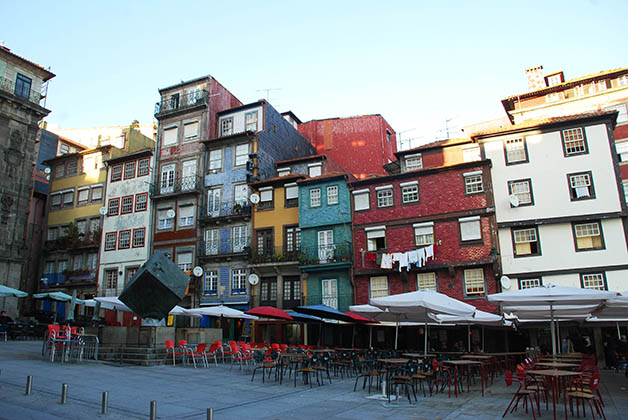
103, 405
210, 414
64, 393
29, 385
153, 410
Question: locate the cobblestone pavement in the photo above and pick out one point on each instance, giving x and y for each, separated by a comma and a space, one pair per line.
187, 393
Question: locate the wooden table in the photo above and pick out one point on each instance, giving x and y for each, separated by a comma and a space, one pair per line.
468, 364
556, 365
418, 355
391, 362
476, 357
554, 375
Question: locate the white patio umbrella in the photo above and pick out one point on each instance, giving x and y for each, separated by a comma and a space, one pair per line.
479, 318
58, 296
178, 310
9, 291
549, 300
112, 302
219, 311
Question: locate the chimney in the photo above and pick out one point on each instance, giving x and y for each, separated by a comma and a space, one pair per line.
535, 78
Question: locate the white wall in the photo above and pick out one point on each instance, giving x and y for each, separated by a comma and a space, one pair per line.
238, 119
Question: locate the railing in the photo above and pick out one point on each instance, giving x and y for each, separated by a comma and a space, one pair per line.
80, 276
211, 248
276, 254
9, 86
177, 102
178, 185
225, 210
327, 254
52, 279
83, 240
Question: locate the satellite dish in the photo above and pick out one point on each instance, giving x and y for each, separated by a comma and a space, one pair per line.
505, 282
170, 213
103, 211
514, 200
253, 279
254, 198
47, 171
198, 271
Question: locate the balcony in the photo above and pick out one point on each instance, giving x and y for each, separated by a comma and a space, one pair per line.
276, 255
226, 210
52, 280
220, 250
75, 242
28, 94
178, 102
180, 185
76, 277
327, 254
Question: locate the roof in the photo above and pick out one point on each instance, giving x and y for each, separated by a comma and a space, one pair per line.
187, 82
278, 180
300, 159
544, 122
324, 177
47, 73
434, 145
292, 115
72, 142
76, 154
241, 107
134, 155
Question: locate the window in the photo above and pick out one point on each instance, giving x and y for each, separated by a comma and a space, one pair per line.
241, 194
184, 260
471, 153
516, 151
361, 200
59, 171
588, 236
188, 175
423, 233
330, 292
384, 196
315, 197
241, 154
409, 192
315, 169
170, 136
116, 173
375, 238
55, 200
522, 189
68, 198
622, 117
211, 241
167, 178
291, 291
283, 171
240, 235
110, 241
63, 265
526, 241
94, 225
379, 286
238, 281
138, 237
226, 126
127, 204
414, 162
111, 279
72, 168
81, 226
53, 233
595, 281
470, 229
388, 136
129, 273
141, 201
268, 292
426, 281
50, 267
250, 121
190, 131
96, 193
143, 167
473, 182
292, 195
625, 185
166, 219
23, 86
623, 80
215, 160
581, 186
574, 142
124, 239
210, 283
529, 283
292, 238
213, 202
129, 170
266, 198
474, 281
83, 196
264, 241
332, 194
186, 216
173, 101
326, 245
113, 208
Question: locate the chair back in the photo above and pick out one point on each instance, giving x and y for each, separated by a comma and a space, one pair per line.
235, 349
183, 343
53, 330
215, 346
170, 344
283, 347
508, 378
594, 383
201, 348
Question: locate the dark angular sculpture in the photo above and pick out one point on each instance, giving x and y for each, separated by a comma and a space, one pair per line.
156, 287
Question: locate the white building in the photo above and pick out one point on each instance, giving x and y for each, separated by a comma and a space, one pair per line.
559, 204
126, 225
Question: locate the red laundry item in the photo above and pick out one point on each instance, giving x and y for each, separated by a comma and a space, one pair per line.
370, 256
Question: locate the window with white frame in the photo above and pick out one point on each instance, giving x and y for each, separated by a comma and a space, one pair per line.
94, 225
413, 162
63, 265
170, 136
111, 279
470, 228
226, 126
212, 237
423, 233
332, 194
241, 154
110, 241
97, 193
529, 283
68, 198
241, 194
315, 169
50, 267
184, 260
361, 200
139, 237
473, 182
129, 170
240, 235
186, 216
622, 151
516, 151
127, 204
581, 186
250, 121
378, 286
625, 185
315, 197
623, 80
81, 226
141, 201
83, 195
292, 194
526, 241
165, 219
167, 178
426, 281
238, 281
143, 167
522, 189
409, 192
329, 289
266, 198
213, 202
283, 171
210, 282
215, 160
574, 142
384, 196
375, 238
53, 233
474, 281
588, 236
190, 130
124, 241
594, 281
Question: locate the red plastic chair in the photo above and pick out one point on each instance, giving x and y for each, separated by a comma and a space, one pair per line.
214, 349
237, 356
198, 353
170, 348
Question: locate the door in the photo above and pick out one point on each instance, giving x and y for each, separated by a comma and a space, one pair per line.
330, 292
211, 242
213, 202
188, 175
239, 238
325, 245
167, 178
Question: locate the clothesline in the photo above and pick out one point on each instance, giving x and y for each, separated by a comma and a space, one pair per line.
385, 260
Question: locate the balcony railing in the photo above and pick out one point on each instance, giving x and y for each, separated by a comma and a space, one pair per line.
80, 276
177, 102
276, 254
179, 185
327, 254
9, 86
52, 280
225, 210
219, 248
83, 240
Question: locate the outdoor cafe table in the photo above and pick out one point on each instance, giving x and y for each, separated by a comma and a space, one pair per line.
418, 355
468, 364
391, 362
557, 365
554, 375
477, 357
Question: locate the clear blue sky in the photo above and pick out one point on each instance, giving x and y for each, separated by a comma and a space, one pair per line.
417, 63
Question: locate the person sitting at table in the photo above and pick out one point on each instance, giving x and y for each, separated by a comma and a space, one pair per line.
459, 346
4, 318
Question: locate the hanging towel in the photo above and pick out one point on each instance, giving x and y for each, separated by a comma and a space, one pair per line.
403, 261
413, 258
396, 257
421, 259
387, 261
429, 252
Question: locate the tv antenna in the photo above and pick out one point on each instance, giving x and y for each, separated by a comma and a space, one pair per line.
268, 90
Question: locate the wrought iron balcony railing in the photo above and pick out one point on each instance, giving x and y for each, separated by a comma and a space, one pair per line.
52, 280
327, 254
81, 241
179, 185
224, 210
178, 101
222, 248
276, 254
24, 92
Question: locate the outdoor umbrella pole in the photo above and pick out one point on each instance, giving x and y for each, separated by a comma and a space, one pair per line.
559, 343
370, 336
553, 330
469, 338
618, 331
482, 338
396, 334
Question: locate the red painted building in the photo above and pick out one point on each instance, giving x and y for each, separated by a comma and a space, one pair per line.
446, 211
361, 145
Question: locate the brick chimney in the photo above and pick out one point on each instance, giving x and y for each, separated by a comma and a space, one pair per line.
535, 78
